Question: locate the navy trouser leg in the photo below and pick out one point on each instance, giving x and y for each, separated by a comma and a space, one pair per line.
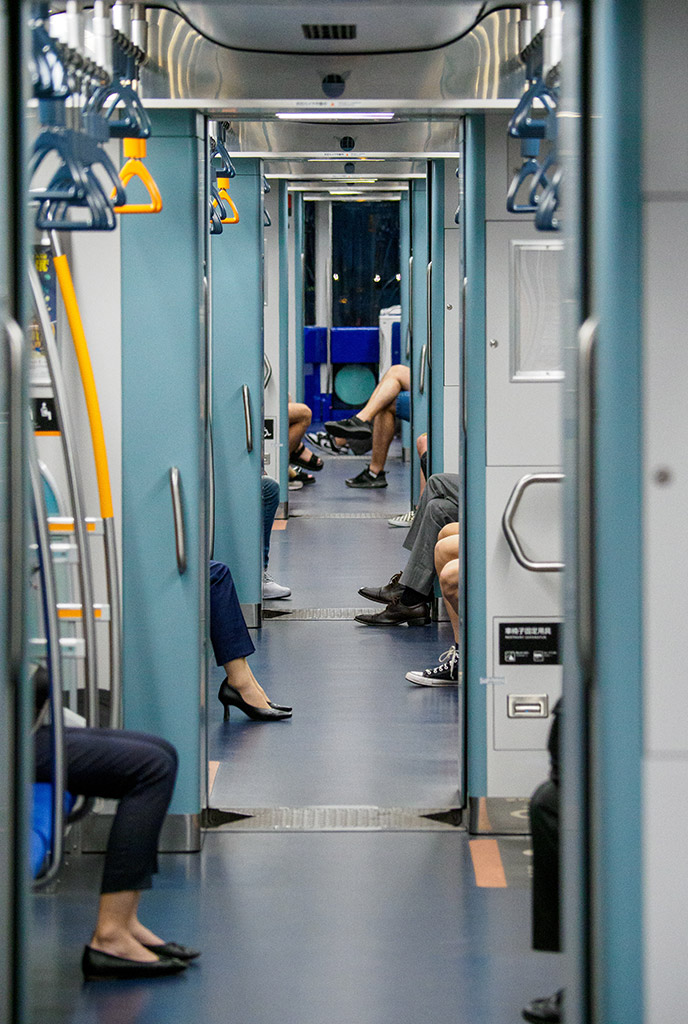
228, 633
544, 823
270, 492
134, 768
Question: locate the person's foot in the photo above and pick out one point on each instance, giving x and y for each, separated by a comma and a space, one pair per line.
302, 475
398, 614
404, 520
306, 459
367, 480
97, 965
353, 428
383, 595
545, 1011
294, 483
444, 673
273, 591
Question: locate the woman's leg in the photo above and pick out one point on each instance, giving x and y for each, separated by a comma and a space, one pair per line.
139, 771
230, 638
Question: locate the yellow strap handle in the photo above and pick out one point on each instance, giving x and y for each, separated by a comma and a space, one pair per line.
135, 149
223, 184
64, 278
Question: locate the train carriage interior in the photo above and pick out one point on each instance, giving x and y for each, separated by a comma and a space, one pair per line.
342, 605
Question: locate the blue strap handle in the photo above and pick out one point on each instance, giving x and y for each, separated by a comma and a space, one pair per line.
227, 169
266, 219
522, 125
546, 214
540, 178
133, 123
216, 226
48, 73
529, 168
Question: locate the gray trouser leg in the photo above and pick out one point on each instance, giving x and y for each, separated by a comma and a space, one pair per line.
437, 507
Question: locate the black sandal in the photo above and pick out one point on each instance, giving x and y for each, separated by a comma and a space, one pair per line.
313, 461
302, 475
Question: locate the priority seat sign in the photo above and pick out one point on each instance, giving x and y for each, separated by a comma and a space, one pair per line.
529, 643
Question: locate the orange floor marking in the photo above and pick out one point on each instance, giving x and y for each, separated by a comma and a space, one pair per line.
487, 864
484, 823
280, 524
212, 772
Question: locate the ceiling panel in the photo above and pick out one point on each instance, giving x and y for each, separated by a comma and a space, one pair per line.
357, 27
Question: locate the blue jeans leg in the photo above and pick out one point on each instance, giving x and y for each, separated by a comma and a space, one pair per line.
271, 494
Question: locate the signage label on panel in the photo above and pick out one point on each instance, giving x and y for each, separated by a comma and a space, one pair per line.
529, 643
269, 429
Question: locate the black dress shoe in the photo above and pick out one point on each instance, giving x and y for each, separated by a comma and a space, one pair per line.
545, 1011
174, 950
383, 595
397, 614
279, 707
96, 965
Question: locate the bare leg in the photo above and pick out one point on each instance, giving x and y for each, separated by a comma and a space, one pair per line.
421, 448
299, 422
383, 434
118, 930
397, 379
447, 566
239, 676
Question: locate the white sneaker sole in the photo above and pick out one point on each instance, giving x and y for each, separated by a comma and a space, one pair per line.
276, 594
422, 680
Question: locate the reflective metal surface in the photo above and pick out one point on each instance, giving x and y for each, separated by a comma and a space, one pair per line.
483, 66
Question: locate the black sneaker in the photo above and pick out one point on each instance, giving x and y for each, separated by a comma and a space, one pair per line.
445, 673
366, 479
353, 428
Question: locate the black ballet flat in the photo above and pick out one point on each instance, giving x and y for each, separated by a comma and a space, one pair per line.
97, 966
229, 697
174, 950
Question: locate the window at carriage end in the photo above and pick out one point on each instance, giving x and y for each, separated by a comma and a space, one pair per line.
536, 342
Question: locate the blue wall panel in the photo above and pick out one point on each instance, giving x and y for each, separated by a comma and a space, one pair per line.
474, 370
237, 296
162, 426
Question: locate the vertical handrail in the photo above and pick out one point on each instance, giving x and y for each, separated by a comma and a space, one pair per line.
423, 360
16, 532
80, 534
246, 395
428, 314
102, 475
587, 341
52, 633
178, 513
409, 328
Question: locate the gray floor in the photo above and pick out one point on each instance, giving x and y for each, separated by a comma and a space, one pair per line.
315, 927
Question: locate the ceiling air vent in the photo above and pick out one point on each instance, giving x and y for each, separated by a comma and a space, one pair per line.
329, 31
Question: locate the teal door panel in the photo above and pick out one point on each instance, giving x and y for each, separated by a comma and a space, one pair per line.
435, 369
299, 321
237, 386
474, 582
283, 227
404, 255
419, 334
163, 426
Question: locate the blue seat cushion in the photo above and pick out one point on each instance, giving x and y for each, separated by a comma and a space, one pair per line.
42, 823
404, 405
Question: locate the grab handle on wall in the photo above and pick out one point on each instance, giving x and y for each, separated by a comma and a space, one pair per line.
178, 513
423, 361
246, 395
512, 538
587, 341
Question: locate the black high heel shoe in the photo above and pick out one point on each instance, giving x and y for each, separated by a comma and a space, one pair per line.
229, 697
